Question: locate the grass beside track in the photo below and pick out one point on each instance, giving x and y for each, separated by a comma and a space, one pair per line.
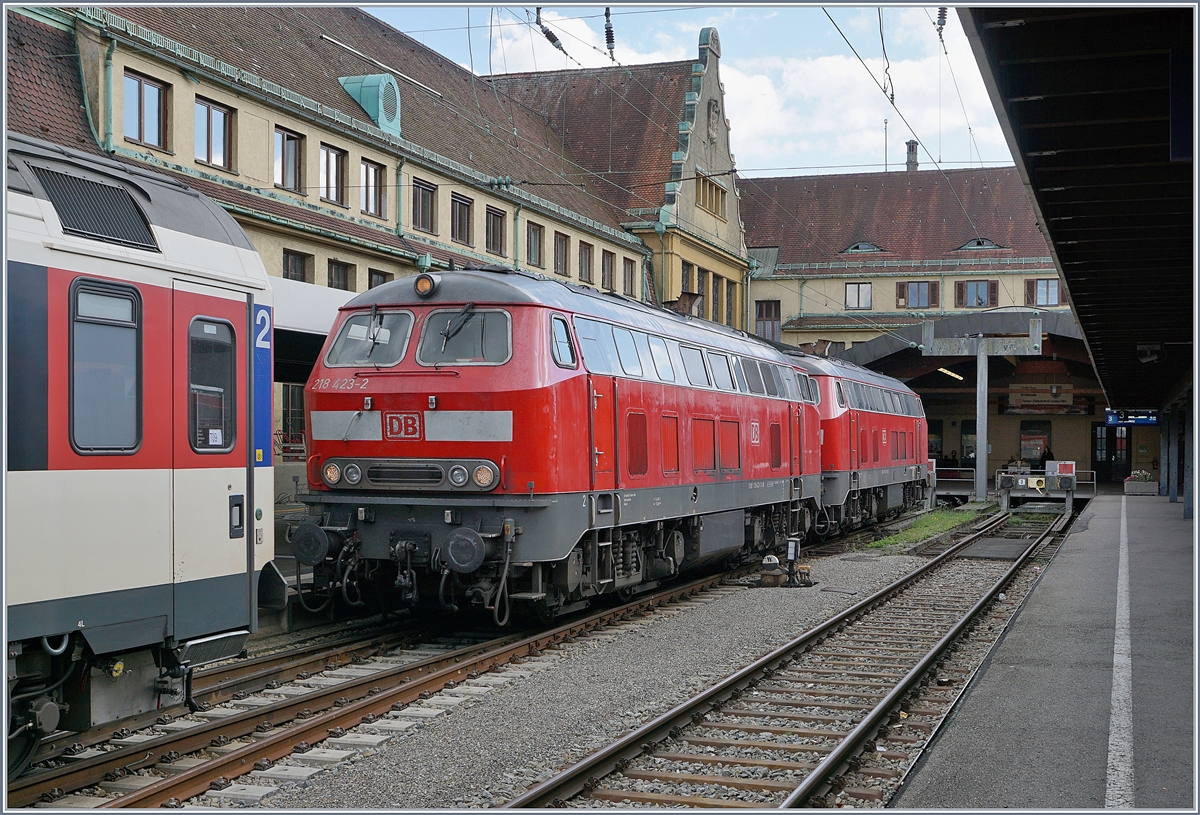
928, 525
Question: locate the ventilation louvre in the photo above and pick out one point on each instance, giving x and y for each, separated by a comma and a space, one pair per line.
97, 211
379, 96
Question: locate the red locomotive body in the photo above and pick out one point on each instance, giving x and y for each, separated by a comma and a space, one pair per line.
494, 436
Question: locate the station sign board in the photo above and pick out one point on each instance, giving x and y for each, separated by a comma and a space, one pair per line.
1129, 418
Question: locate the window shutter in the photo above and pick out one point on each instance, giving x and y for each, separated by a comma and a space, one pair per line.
933, 294
1030, 292
993, 293
901, 293
960, 293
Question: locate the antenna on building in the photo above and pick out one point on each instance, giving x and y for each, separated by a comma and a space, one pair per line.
609, 39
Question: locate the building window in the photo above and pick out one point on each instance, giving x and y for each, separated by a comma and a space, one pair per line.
917, 294
424, 206
106, 370
979, 243
858, 295
585, 262
977, 293
340, 276
293, 413
296, 266
730, 297
377, 278
373, 201
685, 277
333, 175
535, 238
145, 110
630, 275
493, 221
562, 245
211, 134
701, 307
861, 246
1041, 292
717, 290
608, 261
710, 195
288, 153
460, 218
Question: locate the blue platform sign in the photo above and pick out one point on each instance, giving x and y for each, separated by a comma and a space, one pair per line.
1129, 418
264, 417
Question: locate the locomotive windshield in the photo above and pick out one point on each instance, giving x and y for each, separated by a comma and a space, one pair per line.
466, 336
376, 338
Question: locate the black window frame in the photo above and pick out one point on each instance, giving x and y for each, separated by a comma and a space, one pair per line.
163, 89
281, 138
858, 289
608, 269
628, 275
377, 277
585, 269
459, 203
106, 289
337, 185
767, 317
535, 244
233, 356
348, 267
305, 264
227, 146
562, 254
494, 229
372, 198
424, 201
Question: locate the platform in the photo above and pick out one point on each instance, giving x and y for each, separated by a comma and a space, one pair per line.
1033, 729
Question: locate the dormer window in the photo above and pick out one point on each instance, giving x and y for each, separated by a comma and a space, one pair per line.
979, 243
861, 246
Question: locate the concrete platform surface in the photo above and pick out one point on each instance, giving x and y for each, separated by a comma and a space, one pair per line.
1087, 700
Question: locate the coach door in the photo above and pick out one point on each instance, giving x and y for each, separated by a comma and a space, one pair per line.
602, 431
211, 436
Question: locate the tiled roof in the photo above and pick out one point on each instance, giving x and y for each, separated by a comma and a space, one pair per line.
921, 215
621, 123
470, 124
45, 98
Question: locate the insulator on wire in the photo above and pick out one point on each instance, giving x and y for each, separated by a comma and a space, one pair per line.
941, 23
609, 39
548, 33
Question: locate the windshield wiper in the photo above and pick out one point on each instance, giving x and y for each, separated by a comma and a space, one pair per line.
373, 328
456, 323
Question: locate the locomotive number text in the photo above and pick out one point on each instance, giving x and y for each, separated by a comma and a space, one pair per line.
339, 384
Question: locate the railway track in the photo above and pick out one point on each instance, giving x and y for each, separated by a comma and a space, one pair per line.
179, 758
843, 710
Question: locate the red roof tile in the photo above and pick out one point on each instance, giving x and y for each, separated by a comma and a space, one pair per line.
621, 123
922, 215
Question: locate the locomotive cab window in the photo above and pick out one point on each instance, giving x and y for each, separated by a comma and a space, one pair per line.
377, 339
106, 368
560, 343
467, 336
597, 346
212, 375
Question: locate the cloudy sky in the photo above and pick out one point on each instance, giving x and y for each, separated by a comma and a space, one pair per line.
799, 100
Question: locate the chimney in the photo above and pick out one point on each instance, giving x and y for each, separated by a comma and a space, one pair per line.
911, 164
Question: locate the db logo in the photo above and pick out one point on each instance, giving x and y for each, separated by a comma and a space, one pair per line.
754, 434
399, 426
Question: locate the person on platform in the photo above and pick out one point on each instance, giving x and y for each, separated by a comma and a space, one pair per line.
1046, 456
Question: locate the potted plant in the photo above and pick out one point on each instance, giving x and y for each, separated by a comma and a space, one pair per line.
1140, 482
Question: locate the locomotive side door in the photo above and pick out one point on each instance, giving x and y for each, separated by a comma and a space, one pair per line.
211, 437
602, 431
853, 414
797, 439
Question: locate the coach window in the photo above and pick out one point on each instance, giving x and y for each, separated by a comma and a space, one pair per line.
693, 366
720, 371
377, 339
662, 359
466, 336
560, 343
106, 368
753, 376
212, 375
145, 105
627, 351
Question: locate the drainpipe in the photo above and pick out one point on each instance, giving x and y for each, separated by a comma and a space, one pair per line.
108, 94
400, 198
517, 238
660, 229
802, 282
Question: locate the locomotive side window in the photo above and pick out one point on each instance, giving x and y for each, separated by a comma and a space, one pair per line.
837, 391
643, 350
662, 360
627, 351
769, 380
741, 376
720, 371
467, 336
212, 374
693, 366
816, 391
377, 339
106, 368
753, 377
560, 343
597, 346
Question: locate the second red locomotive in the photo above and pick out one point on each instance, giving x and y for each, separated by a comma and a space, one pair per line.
488, 436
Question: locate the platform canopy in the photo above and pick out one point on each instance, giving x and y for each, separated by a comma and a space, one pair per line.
1097, 105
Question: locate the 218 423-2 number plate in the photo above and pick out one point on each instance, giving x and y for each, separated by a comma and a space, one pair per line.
348, 384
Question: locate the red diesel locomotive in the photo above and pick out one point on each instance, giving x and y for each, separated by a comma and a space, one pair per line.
489, 436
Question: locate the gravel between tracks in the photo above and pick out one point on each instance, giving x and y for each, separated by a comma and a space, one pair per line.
599, 688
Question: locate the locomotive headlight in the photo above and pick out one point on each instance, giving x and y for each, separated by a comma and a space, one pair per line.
426, 284
458, 475
333, 473
353, 474
483, 476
